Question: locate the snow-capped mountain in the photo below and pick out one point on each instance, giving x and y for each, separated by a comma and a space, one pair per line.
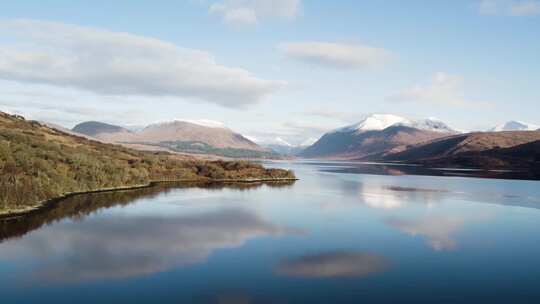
430, 124
376, 135
308, 142
282, 146
282, 142
378, 122
515, 126
374, 122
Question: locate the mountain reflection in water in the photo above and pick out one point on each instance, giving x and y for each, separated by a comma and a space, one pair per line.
397, 169
83, 205
332, 237
118, 247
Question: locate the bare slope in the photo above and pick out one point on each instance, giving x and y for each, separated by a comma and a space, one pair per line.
484, 150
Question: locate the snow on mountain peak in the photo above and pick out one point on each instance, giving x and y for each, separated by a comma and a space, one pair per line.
374, 122
377, 122
430, 124
280, 141
308, 142
207, 123
515, 126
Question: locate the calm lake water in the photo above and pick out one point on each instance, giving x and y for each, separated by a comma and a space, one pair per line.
344, 233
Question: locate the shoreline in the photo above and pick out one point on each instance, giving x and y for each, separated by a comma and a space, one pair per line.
15, 213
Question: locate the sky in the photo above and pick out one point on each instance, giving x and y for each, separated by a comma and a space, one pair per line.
292, 69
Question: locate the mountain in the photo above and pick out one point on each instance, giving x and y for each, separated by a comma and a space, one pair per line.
103, 132
380, 122
282, 147
39, 163
219, 137
515, 126
504, 149
95, 128
374, 122
286, 150
430, 124
179, 136
65, 130
376, 135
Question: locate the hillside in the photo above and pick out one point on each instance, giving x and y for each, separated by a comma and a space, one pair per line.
38, 163
178, 136
374, 136
478, 150
368, 144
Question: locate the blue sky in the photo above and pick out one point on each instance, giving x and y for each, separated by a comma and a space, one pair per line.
287, 68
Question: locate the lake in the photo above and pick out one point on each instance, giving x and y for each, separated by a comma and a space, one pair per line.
343, 233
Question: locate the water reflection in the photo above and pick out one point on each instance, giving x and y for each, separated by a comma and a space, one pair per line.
237, 297
397, 169
440, 230
81, 206
221, 245
115, 246
336, 264
382, 196
119, 247
390, 193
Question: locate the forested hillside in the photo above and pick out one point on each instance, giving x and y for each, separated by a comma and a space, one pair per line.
38, 163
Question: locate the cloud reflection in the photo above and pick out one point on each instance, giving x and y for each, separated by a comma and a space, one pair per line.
120, 247
438, 230
337, 264
380, 196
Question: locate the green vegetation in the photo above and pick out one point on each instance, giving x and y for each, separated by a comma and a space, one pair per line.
198, 147
38, 163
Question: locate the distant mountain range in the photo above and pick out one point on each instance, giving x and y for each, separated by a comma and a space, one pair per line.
177, 136
515, 126
283, 147
375, 135
391, 138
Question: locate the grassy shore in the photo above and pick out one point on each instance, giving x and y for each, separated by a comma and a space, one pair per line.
38, 164
26, 209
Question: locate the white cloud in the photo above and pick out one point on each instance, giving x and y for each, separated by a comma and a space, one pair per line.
248, 12
123, 64
509, 7
336, 55
240, 15
525, 8
442, 89
489, 7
